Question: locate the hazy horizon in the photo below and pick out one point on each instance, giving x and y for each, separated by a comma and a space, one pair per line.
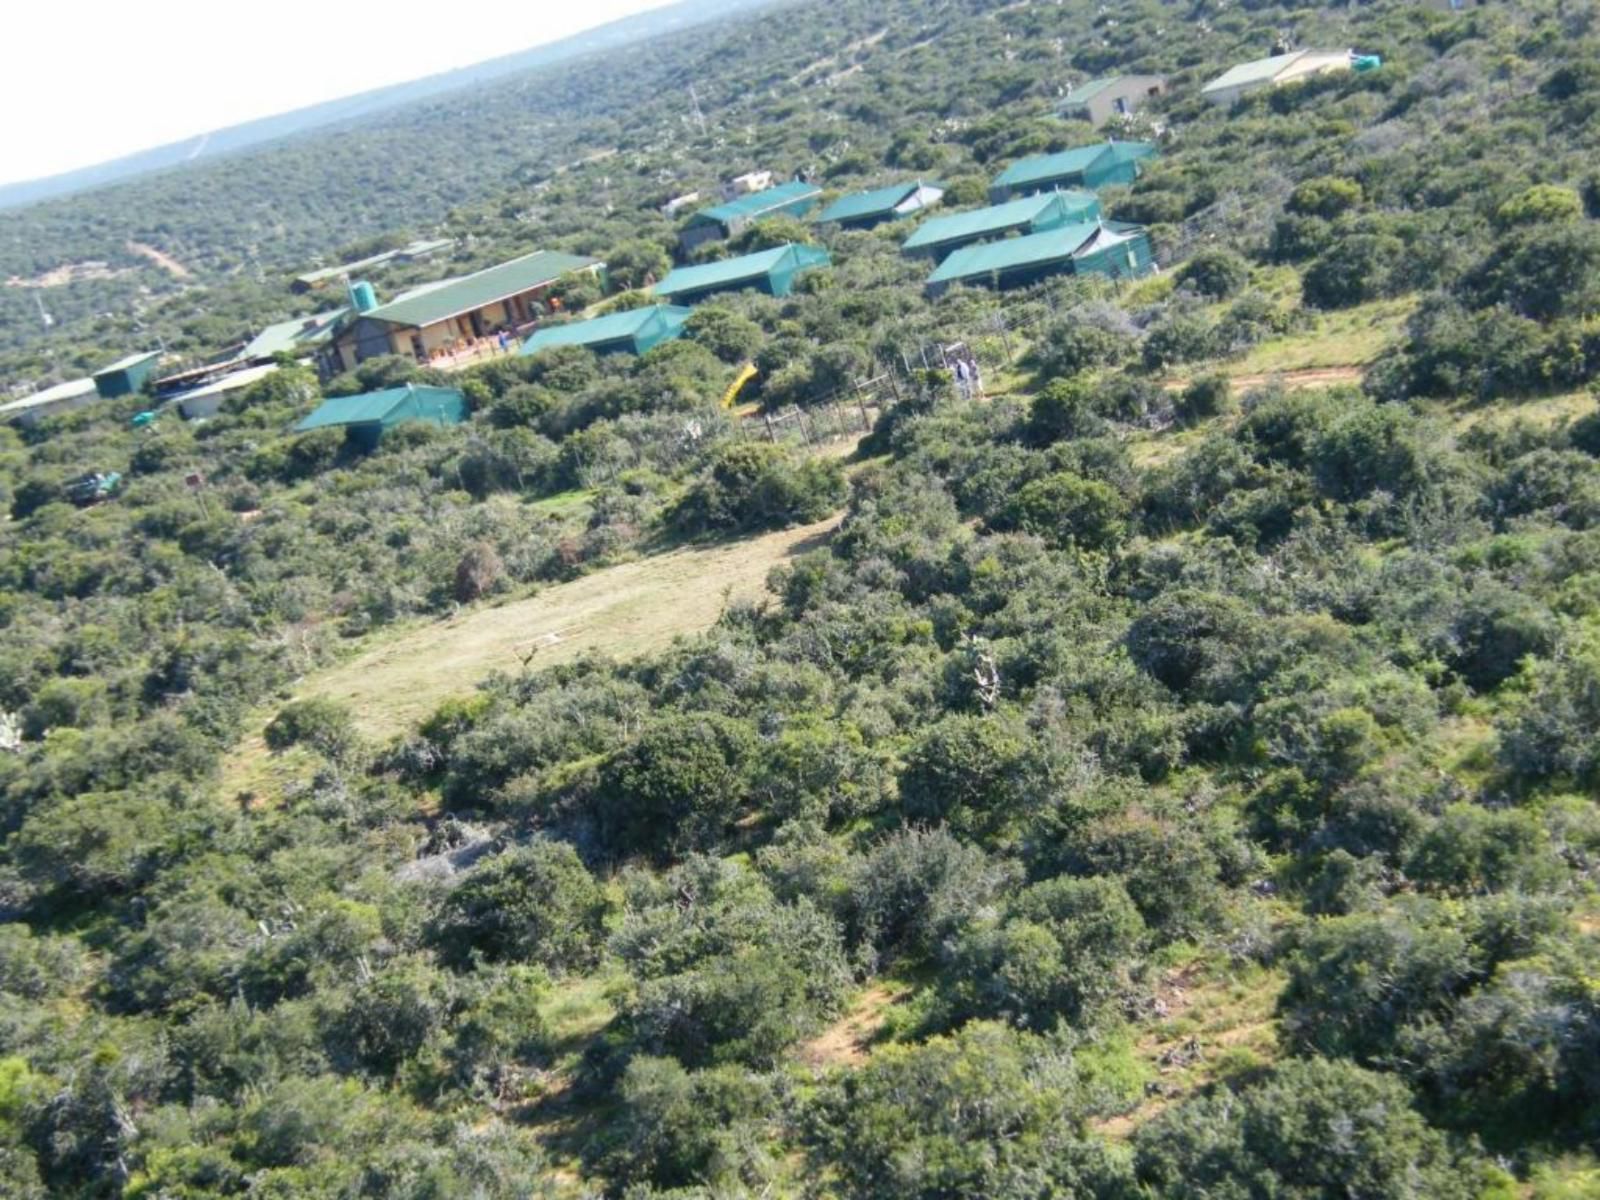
168, 71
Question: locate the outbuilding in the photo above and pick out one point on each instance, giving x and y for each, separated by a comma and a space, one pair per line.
366, 418
1111, 248
1101, 100
206, 400
438, 321
1246, 78
1031, 214
863, 210
1099, 165
418, 251
633, 332
49, 402
302, 337
732, 218
127, 375
770, 271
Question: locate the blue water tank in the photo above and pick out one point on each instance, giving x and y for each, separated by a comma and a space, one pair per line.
364, 296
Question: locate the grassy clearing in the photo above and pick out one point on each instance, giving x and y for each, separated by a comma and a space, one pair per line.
575, 1012
1350, 337
1219, 1023
564, 504
1150, 450
400, 676
1545, 413
847, 1041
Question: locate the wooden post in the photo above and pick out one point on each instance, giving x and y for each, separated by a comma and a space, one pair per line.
772, 433
1005, 335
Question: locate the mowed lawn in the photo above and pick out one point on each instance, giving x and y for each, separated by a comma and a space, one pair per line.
622, 611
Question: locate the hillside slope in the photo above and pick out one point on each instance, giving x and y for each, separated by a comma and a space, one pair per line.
350, 111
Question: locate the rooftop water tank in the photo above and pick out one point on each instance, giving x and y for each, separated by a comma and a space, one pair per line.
363, 296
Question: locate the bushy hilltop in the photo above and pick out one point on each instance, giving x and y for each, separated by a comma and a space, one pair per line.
1169, 780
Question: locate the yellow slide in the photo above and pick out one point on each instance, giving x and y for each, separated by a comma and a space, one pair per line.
745, 375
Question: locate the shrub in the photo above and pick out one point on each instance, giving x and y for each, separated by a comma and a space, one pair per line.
1543, 272
964, 770
1077, 343
987, 1112
680, 1128
1313, 1130
1327, 197
1216, 274
1353, 269
752, 485
1551, 739
323, 725
1062, 952
535, 904
1206, 397
731, 337
1069, 511
1064, 408
917, 887
1542, 204
677, 786
1180, 337
726, 974
479, 572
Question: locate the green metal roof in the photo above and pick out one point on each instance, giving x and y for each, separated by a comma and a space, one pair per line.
287, 337
733, 270
452, 298
874, 203
128, 363
1011, 253
756, 204
992, 221
1061, 164
612, 327
365, 409
1086, 92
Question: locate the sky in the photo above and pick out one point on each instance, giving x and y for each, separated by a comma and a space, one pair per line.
89, 80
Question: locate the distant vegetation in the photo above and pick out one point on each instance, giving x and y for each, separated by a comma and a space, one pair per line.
1162, 783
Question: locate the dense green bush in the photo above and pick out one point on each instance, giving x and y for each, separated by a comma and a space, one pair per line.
986, 1112
323, 725
536, 904
1311, 1129
1218, 274
753, 486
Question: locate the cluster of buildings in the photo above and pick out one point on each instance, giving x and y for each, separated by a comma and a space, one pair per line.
1043, 219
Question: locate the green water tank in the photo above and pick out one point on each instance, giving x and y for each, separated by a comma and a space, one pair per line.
363, 296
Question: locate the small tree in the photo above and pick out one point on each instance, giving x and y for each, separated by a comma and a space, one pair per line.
1215, 274
323, 725
534, 904
480, 572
